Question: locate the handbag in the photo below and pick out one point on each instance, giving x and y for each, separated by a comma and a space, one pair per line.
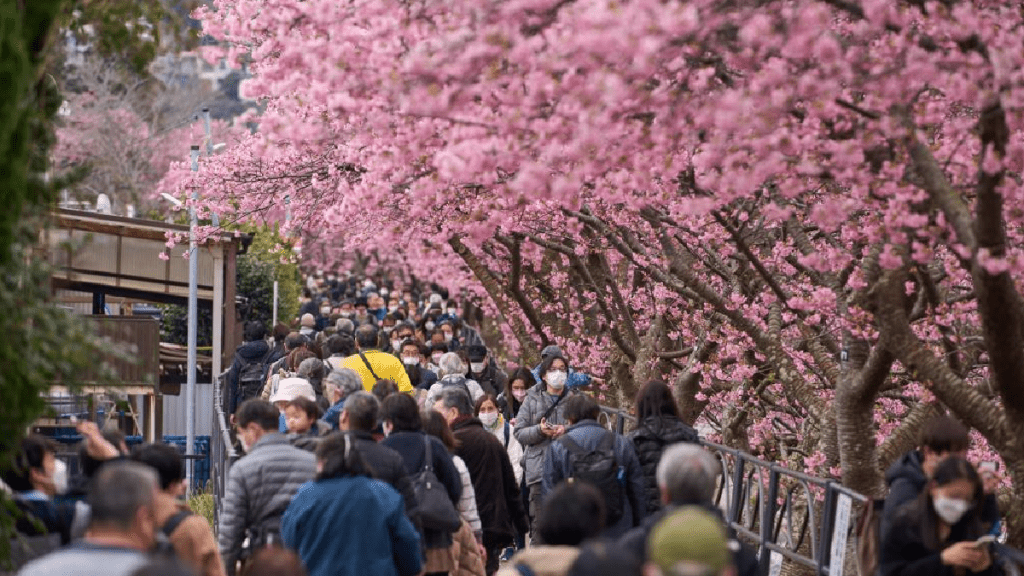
433, 506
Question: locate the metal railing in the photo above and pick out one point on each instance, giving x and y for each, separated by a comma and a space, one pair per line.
790, 516
811, 522
222, 449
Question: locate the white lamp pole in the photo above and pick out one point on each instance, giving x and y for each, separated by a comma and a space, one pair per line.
193, 328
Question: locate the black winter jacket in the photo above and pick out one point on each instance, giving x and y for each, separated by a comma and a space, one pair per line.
248, 352
497, 494
650, 438
906, 479
904, 553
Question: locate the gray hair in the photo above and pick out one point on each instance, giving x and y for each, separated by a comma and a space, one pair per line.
455, 397
450, 363
345, 379
363, 409
687, 473
118, 491
311, 368
345, 326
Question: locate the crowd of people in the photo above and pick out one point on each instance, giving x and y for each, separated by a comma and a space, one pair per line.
381, 436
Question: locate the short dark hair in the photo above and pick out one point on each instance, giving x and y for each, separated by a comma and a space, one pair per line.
254, 330
295, 357
118, 491
403, 413
411, 342
366, 337
362, 409
456, 397
572, 512
163, 458
311, 408
340, 457
655, 399
30, 456
281, 331
384, 388
945, 434
258, 410
579, 407
295, 340
341, 344
545, 366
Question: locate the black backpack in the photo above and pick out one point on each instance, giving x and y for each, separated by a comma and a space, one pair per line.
252, 376
599, 468
435, 509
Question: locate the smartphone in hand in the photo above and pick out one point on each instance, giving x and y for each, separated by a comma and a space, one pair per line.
985, 540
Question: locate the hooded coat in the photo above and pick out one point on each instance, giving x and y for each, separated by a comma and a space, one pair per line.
650, 439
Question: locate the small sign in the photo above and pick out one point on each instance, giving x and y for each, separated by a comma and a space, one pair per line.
775, 564
840, 534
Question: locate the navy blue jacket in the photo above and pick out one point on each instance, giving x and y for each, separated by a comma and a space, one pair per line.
351, 525
588, 434
411, 448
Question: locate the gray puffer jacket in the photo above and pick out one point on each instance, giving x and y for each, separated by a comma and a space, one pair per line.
259, 488
528, 432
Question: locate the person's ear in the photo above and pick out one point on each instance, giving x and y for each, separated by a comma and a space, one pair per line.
37, 476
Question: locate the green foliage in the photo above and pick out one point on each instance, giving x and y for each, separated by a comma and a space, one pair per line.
42, 344
24, 30
254, 284
123, 31
202, 504
268, 247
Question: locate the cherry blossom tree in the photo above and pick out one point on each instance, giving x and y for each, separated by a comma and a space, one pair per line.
804, 214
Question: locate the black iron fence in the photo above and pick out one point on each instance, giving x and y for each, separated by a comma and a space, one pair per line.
790, 516
222, 449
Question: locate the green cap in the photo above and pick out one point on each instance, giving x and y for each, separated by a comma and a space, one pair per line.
690, 540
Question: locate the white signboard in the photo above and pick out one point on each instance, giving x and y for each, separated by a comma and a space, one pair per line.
775, 564
840, 533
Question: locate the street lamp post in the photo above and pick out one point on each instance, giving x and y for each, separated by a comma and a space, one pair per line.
193, 329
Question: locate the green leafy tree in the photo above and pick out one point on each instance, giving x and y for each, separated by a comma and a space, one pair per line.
42, 344
254, 281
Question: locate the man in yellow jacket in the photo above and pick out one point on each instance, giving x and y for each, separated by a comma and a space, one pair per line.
371, 364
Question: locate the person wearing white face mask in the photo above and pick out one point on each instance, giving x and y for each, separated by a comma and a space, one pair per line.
540, 420
262, 483
511, 398
490, 416
491, 378
938, 533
